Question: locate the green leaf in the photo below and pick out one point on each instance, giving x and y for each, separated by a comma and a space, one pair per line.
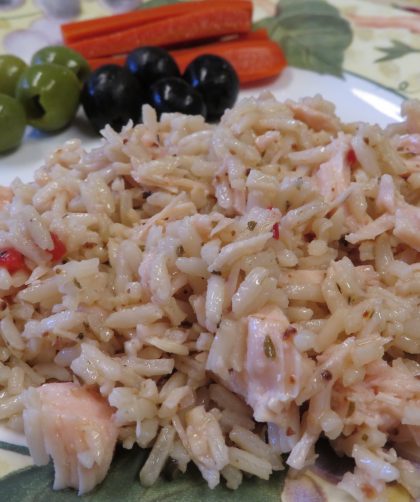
23, 450
311, 33
398, 50
306, 7
122, 483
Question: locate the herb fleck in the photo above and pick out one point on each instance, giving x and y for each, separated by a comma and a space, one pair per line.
326, 375
251, 225
77, 283
186, 324
309, 237
290, 331
269, 349
342, 241
367, 314
351, 408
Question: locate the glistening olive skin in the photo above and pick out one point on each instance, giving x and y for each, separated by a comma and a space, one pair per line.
216, 80
169, 95
112, 95
11, 67
50, 96
150, 64
63, 56
12, 123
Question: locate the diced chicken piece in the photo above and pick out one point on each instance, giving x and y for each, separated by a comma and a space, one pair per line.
372, 229
74, 426
385, 397
395, 379
333, 176
407, 225
385, 200
316, 119
206, 444
275, 370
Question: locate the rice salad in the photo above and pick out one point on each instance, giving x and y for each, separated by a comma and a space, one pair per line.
225, 295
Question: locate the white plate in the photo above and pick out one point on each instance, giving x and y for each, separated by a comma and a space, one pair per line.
356, 99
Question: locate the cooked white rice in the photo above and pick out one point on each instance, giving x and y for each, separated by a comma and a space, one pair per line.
229, 293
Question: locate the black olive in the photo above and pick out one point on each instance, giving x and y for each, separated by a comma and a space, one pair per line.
173, 94
112, 95
216, 80
150, 64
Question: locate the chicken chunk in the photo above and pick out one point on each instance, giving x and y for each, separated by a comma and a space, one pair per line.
275, 369
74, 426
333, 177
407, 225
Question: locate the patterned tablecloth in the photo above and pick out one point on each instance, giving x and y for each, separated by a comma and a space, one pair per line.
377, 40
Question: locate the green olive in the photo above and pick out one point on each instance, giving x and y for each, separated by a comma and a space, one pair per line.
63, 56
11, 68
50, 95
12, 123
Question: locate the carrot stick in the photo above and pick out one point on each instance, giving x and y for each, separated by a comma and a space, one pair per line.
90, 28
119, 59
253, 60
204, 23
260, 34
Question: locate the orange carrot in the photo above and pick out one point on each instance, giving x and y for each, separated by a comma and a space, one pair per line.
253, 60
260, 34
90, 28
209, 22
119, 59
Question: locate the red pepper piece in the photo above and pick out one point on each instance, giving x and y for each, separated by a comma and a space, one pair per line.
351, 157
59, 249
12, 260
276, 231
